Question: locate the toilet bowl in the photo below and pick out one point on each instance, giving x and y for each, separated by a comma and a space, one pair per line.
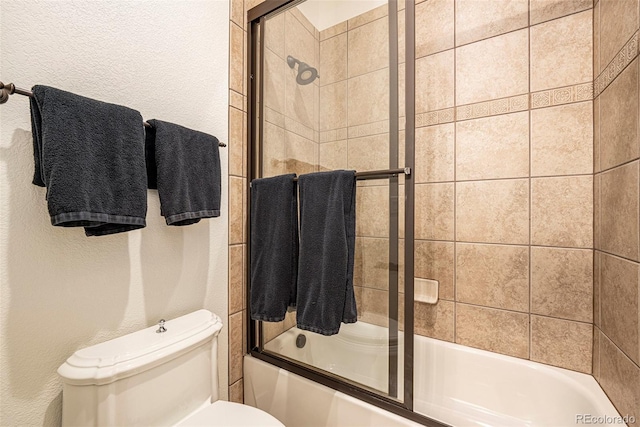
159, 376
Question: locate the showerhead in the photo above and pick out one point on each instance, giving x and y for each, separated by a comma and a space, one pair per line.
306, 73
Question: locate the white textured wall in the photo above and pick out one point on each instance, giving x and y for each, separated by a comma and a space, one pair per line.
60, 290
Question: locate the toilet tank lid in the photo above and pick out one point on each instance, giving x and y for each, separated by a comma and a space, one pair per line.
136, 352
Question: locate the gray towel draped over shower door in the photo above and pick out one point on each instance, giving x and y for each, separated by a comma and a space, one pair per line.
327, 242
274, 247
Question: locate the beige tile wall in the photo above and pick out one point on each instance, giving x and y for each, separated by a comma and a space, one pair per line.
504, 176
616, 348
522, 282
237, 196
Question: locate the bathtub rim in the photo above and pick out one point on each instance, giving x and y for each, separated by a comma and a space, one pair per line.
362, 394
585, 382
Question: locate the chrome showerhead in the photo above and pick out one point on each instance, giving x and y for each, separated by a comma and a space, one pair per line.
306, 73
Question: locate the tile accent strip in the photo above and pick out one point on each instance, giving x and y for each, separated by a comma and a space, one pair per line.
627, 54
369, 129
513, 104
563, 95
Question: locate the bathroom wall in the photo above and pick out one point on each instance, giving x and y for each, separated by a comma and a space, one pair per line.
59, 290
616, 348
504, 176
237, 195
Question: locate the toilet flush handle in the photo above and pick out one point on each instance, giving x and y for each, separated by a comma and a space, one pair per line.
161, 327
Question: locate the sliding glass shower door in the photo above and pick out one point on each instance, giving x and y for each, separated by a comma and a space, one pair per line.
329, 90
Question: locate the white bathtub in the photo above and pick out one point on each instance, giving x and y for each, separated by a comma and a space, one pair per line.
457, 385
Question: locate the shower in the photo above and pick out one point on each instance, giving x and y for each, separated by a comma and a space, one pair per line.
306, 73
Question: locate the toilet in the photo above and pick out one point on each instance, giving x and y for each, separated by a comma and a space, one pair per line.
160, 376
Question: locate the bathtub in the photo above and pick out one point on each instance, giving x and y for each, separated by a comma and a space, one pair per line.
457, 385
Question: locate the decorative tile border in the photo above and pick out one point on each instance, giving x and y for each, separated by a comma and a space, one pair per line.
333, 135
435, 117
627, 54
495, 107
368, 129
563, 95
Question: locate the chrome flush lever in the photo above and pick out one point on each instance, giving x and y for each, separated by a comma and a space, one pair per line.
161, 327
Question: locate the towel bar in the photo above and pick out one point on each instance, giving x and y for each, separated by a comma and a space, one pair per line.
377, 174
10, 89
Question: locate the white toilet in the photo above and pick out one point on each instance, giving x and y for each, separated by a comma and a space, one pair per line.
151, 378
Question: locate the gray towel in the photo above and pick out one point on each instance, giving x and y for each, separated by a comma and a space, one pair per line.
184, 165
327, 242
90, 156
274, 247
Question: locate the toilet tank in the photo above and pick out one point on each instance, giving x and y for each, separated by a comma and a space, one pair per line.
144, 378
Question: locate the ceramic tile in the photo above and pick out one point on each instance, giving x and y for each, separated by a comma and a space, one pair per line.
596, 353
434, 82
333, 31
236, 61
435, 261
434, 147
333, 155
546, 10
368, 98
500, 331
493, 147
493, 276
275, 70
435, 320
236, 141
562, 140
368, 48
273, 159
375, 263
618, 22
619, 211
562, 343
236, 392
504, 61
236, 189
333, 106
477, 20
562, 211
434, 211
236, 282
619, 303
301, 154
493, 211
368, 153
597, 255
333, 59
434, 27
372, 211
373, 306
562, 283
561, 52
619, 378
619, 119
235, 347
597, 67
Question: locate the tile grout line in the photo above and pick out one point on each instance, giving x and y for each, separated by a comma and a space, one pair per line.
530, 181
455, 179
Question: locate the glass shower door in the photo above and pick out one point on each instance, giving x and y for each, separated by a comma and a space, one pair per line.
329, 100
